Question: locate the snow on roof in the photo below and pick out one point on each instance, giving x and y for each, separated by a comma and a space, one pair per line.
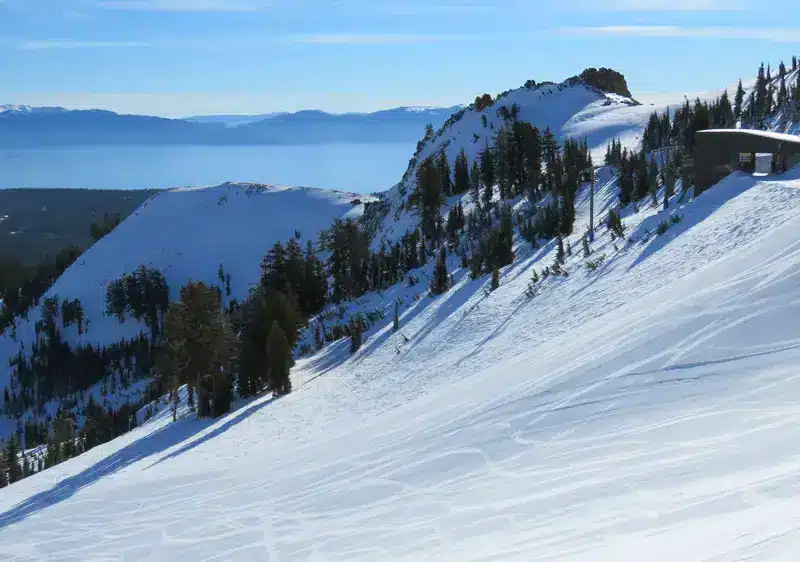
756, 133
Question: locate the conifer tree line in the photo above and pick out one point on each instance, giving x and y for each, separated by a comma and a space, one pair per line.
22, 286
640, 176
61, 443
520, 161
144, 294
774, 100
775, 96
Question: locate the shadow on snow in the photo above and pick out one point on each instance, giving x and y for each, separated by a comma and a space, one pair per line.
149, 445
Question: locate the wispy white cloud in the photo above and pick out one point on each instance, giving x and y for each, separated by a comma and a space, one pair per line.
53, 44
82, 6
185, 5
373, 38
243, 42
440, 9
777, 35
658, 5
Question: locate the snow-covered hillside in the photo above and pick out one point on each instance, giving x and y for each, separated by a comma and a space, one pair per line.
636, 405
187, 234
571, 109
642, 410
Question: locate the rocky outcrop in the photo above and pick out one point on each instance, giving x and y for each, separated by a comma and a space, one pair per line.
605, 80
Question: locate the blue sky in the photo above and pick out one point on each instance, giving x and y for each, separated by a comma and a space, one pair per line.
181, 57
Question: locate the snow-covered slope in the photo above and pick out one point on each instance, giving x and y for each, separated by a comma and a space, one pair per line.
187, 233
643, 410
571, 109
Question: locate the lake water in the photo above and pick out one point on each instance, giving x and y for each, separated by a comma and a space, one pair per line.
362, 168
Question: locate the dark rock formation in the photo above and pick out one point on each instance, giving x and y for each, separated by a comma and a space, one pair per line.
606, 80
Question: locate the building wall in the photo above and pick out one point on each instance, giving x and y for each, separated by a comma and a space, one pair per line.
717, 154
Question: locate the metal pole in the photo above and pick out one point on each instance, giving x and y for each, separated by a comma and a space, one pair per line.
667, 181
591, 209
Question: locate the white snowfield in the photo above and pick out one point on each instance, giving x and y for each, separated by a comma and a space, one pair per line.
187, 233
643, 411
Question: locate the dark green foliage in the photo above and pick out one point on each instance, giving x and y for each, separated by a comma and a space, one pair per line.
11, 460
264, 308
199, 348
428, 197
487, 174
461, 179
440, 280
456, 222
349, 260
280, 360
444, 173
614, 224
560, 251
22, 286
495, 279
144, 294
99, 230
356, 329
475, 181
738, 101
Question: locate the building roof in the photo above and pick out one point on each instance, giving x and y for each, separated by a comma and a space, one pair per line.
794, 139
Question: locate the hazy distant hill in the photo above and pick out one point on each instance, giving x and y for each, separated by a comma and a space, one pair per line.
22, 126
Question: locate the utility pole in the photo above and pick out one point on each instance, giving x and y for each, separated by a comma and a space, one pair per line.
667, 180
591, 208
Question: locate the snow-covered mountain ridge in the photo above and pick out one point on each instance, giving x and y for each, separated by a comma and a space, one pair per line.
186, 234
487, 409
571, 109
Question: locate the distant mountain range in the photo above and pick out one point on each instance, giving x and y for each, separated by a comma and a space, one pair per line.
25, 127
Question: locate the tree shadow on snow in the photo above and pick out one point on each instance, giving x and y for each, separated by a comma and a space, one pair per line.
149, 445
693, 213
233, 419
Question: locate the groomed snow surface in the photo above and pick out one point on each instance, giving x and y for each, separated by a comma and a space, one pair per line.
643, 411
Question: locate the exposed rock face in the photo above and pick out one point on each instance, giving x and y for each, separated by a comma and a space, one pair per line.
606, 80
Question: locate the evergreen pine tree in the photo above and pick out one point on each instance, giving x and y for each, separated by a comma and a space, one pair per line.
487, 167
356, 329
444, 173
279, 360
560, 251
12, 461
738, 101
585, 244
396, 321
475, 182
429, 197
439, 282
488, 195
423, 254
461, 184
495, 278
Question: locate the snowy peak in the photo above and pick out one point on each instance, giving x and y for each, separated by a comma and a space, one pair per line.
590, 106
13, 109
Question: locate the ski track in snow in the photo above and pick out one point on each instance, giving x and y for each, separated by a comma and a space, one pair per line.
643, 411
